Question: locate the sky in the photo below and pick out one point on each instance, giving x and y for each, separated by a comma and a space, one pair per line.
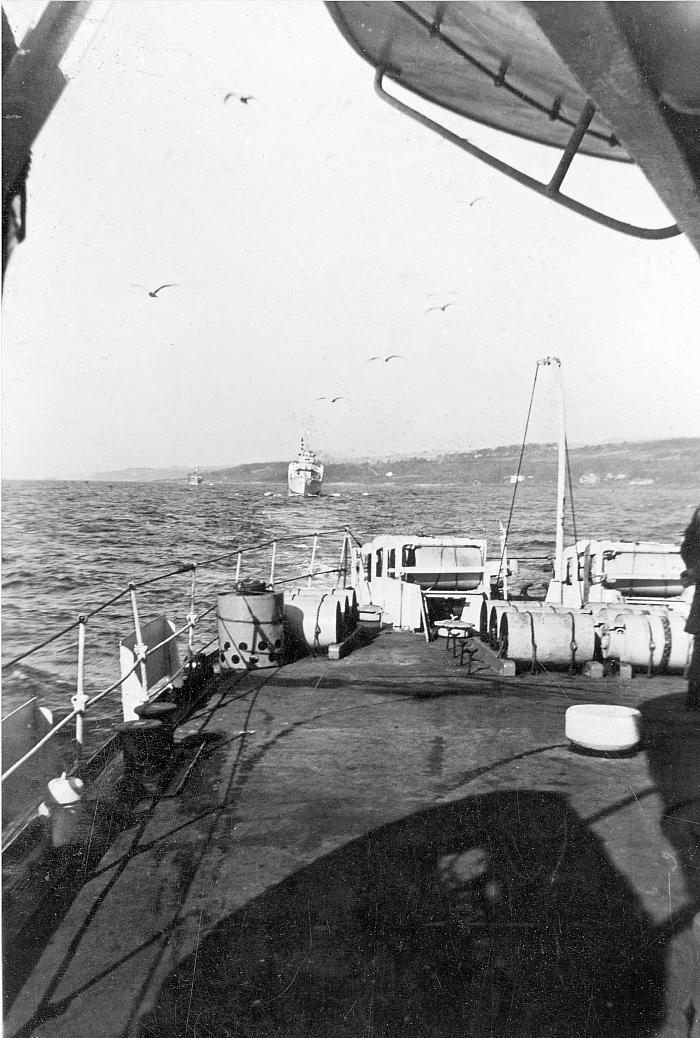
303, 233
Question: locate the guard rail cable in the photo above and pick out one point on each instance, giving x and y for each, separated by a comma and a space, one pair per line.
81, 702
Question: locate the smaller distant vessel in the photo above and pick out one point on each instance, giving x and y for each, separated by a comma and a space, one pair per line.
641, 482
588, 479
194, 479
305, 475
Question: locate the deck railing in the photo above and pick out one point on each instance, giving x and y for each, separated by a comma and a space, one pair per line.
81, 702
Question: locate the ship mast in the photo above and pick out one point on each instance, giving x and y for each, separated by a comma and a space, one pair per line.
554, 591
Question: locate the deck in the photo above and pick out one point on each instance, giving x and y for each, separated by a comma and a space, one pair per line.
382, 845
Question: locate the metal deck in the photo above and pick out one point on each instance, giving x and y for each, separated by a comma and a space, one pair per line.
394, 847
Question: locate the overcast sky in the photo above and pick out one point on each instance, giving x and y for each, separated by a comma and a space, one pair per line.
305, 232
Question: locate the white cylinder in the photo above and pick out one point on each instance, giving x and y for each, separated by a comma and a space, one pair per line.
347, 596
549, 638
317, 619
603, 727
655, 640
484, 619
496, 611
65, 795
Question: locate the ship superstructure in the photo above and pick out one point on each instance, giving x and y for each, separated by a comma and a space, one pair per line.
305, 475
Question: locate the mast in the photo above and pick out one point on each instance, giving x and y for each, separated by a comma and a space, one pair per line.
561, 485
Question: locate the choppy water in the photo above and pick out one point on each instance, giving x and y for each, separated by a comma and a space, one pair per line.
68, 546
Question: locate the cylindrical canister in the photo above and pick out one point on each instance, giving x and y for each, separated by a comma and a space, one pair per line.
251, 629
655, 640
317, 620
347, 596
554, 639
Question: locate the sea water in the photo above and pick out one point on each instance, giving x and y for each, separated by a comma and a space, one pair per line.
67, 547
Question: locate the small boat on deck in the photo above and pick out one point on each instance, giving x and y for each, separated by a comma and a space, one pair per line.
305, 475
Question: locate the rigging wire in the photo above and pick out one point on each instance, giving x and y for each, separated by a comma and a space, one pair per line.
517, 475
573, 513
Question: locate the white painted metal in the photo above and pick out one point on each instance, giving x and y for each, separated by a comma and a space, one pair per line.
655, 639
317, 619
543, 637
158, 669
251, 630
65, 795
604, 727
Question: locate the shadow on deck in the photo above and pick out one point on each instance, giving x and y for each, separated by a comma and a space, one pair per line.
499, 914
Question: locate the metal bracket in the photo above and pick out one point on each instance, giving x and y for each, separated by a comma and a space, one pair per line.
549, 190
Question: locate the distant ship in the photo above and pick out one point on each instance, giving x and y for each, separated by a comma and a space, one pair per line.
305, 475
641, 482
589, 479
194, 479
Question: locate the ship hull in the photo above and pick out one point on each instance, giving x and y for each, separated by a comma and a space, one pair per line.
304, 482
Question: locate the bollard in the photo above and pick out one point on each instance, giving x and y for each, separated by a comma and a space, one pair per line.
64, 809
147, 745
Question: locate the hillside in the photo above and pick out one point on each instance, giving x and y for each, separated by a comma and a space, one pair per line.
667, 462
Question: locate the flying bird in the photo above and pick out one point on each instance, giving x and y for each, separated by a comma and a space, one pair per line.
442, 306
243, 98
479, 198
154, 293
333, 399
387, 359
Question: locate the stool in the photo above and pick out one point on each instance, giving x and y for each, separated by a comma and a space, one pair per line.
467, 647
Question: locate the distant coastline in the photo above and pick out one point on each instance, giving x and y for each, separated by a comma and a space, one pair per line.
666, 462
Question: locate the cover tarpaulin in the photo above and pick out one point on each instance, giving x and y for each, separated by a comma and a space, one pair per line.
452, 54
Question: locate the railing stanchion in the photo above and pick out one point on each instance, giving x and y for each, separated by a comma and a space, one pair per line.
139, 647
313, 559
272, 562
191, 616
79, 700
343, 564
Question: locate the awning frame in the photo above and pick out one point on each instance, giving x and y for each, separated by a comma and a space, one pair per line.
551, 189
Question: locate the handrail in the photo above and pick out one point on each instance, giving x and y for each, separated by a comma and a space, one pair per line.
184, 568
81, 702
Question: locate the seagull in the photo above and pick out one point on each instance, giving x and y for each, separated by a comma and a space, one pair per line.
243, 98
479, 198
442, 307
154, 293
387, 359
333, 399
